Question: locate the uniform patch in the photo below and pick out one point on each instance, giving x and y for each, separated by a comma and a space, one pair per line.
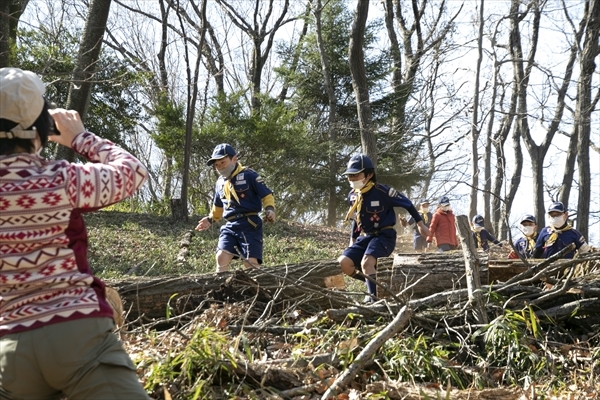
240, 176
352, 197
259, 179
240, 182
375, 203
393, 192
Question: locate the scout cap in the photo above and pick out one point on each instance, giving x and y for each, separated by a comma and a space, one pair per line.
21, 101
221, 151
444, 201
529, 217
424, 201
358, 163
557, 206
478, 220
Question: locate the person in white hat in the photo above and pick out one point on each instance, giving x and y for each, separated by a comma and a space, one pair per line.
56, 326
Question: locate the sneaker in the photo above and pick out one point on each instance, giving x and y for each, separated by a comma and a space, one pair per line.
369, 299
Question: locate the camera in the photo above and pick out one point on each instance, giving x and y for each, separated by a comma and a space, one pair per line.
52, 131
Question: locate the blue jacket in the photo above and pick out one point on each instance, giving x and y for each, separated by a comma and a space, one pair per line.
251, 191
565, 238
482, 239
523, 248
377, 209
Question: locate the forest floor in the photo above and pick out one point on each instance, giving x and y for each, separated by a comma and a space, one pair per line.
206, 357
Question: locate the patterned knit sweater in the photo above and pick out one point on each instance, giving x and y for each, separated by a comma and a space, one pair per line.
44, 273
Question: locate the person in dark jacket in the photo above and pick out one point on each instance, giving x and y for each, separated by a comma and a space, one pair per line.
559, 234
443, 227
373, 219
523, 246
482, 236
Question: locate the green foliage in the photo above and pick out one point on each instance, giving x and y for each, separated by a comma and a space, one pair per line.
508, 341
114, 112
272, 141
120, 240
204, 360
419, 359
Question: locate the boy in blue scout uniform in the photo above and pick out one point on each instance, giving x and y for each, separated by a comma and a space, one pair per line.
481, 235
240, 194
372, 209
523, 246
558, 235
420, 242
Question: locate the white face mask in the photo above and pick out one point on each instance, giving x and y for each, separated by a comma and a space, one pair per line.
445, 208
225, 172
477, 228
528, 230
557, 222
357, 185
425, 209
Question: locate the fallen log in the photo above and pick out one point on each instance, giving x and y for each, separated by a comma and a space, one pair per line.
436, 272
152, 296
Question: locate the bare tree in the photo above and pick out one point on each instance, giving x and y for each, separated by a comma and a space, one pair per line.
80, 89
584, 109
258, 33
475, 120
359, 79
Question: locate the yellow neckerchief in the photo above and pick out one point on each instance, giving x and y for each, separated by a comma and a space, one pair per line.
530, 241
477, 237
228, 188
555, 232
358, 201
424, 215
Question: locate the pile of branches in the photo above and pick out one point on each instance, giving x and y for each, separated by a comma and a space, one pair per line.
554, 305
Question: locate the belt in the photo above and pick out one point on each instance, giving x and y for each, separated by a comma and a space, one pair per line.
377, 231
238, 216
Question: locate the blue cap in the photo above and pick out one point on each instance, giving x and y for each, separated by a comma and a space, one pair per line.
444, 201
221, 151
478, 220
358, 163
557, 206
529, 217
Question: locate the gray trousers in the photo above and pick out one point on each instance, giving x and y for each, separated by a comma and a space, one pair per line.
81, 359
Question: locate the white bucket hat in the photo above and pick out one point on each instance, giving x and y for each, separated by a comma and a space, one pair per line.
21, 101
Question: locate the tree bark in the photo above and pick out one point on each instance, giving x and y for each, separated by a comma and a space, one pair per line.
80, 89
359, 80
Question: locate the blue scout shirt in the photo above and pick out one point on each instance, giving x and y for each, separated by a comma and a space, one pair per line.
482, 239
523, 247
563, 239
250, 190
377, 209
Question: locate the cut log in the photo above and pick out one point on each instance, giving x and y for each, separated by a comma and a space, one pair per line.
150, 296
436, 272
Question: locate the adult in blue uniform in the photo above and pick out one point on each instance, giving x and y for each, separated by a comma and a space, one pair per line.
523, 246
373, 219
482, 236
240, 195
559, 234
419, 242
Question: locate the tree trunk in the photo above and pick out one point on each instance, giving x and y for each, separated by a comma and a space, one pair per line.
591, 49
333, 145
359, 80
89, 52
